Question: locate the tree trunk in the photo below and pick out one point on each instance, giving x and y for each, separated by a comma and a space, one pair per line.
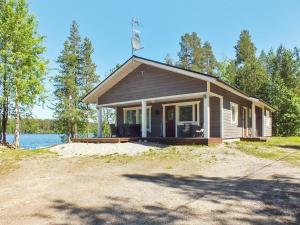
17, 124
4, 119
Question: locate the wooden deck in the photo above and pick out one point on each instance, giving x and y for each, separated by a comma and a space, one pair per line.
163, 140
254, 139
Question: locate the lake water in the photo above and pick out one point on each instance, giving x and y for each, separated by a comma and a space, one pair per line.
34, 141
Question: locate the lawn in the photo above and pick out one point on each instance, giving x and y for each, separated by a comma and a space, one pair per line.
10, 158
283, 148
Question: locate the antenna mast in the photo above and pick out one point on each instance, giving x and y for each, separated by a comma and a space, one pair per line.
135, 38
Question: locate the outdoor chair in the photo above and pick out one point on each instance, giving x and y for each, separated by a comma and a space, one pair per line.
186, 130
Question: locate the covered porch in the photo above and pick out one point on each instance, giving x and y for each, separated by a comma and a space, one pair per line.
194, 116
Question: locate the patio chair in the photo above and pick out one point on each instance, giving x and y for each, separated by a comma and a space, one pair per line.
199, 131
186, 131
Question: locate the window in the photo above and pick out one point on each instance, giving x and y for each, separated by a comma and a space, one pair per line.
186, 113
134, 116
234, 113
250, 113
131, 116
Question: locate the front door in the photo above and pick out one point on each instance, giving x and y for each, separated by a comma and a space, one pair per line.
170, 121
245, 122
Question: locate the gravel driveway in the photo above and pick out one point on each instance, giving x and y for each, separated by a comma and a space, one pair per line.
221, 186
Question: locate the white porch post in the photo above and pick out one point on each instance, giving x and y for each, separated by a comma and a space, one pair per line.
206, 110
263, 121
99, 121
144, 118
253, 133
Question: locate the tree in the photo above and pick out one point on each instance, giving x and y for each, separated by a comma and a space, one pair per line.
249, 68
226, 71
22, 63
283, 67
67, 83
194, 56
208, 59
245, 48
168, 59
90, 79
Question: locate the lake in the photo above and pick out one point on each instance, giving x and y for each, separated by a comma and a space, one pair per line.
34, 141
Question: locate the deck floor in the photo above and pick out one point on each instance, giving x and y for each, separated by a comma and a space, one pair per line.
163, 140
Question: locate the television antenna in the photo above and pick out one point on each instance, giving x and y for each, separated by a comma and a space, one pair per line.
136, 35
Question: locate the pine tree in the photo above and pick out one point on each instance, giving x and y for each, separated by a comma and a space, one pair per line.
90, 79
190, 50
194, 56
67, 83
249, 68
208, 59
168, 59
245, 48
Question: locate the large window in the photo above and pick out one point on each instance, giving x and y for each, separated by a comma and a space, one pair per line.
188, 112
234, 113
134, 116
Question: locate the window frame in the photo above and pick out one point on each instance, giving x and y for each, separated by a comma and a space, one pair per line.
137, 110
236, 117
195, 110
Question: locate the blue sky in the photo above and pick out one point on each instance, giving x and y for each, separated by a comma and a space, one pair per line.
107, 24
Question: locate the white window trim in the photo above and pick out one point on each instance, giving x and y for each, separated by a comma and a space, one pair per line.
237, 114
137, 108
177, 122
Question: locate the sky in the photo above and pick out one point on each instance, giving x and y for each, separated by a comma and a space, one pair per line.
107, 24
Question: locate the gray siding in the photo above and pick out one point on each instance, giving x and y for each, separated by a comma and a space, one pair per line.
214, 103
157, 116
231, 130
149, 82
258, 116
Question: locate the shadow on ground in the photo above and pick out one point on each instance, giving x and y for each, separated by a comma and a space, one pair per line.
278, 196
276, 201
290, 147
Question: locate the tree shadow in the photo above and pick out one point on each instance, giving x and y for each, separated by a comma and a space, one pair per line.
278, 196
290, 147
118, 213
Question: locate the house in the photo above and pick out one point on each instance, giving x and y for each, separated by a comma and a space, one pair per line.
155, 100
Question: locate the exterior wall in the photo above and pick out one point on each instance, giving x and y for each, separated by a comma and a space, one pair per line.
258, 115
268, 127
231, 130
215, 119
157, 116
149, 82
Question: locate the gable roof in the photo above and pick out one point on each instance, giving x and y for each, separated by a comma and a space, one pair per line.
135, 61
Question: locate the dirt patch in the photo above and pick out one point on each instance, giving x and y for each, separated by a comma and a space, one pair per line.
84, 149
209, 186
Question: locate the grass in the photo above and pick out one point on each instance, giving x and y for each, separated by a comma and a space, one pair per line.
168, 155
287, 148
10, 158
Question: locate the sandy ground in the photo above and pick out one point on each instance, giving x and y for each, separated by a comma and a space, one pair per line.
84, 149
232, 189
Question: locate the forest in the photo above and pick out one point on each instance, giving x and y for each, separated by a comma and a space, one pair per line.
272, 75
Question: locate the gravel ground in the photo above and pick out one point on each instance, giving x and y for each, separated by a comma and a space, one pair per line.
84, 149
233, 188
